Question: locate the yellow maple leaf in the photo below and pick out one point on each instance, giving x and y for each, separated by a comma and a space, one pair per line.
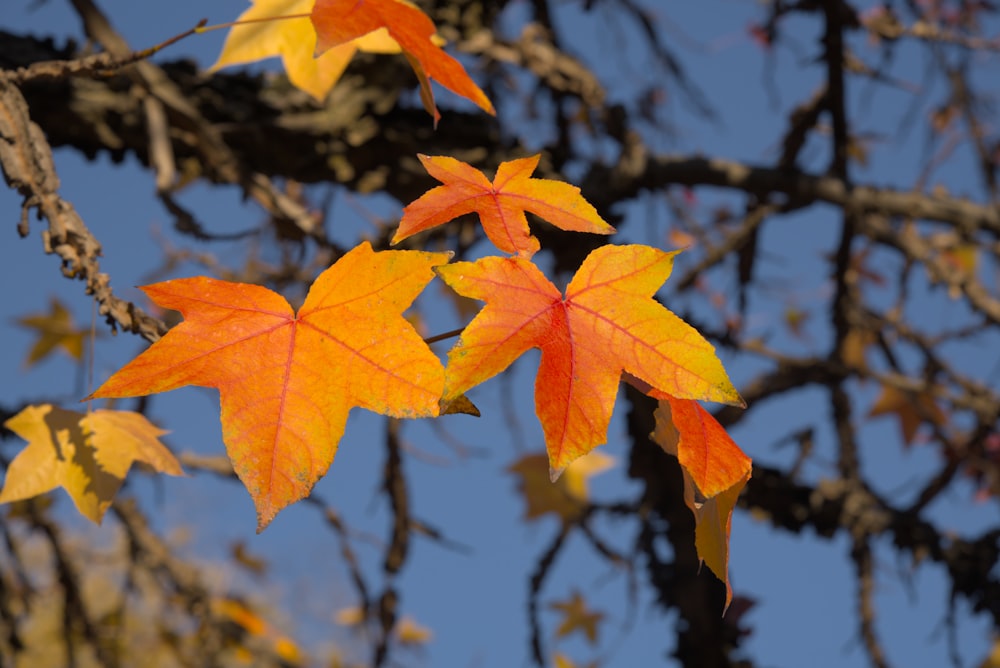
576, 617
55, 329
565, 497
87, 454
295, 41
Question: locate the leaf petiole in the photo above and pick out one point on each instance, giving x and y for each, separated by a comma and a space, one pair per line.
219, 26
441, 337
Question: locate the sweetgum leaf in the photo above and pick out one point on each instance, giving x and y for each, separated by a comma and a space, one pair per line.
607, 323
87, 454
287, 381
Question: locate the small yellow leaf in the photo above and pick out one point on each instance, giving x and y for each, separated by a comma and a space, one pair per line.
563, 662
964, 258
409, 632
565, 497
353, 616
576, 617
87, 454
240, 613
287, 650
54, 329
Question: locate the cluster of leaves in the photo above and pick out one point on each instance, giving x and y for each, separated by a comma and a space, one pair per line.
287, 380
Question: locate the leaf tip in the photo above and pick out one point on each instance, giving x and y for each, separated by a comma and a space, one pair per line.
448, 255
555, 472
739, 402
264, 519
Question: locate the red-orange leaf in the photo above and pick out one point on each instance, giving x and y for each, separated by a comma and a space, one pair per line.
500, 205
341, 21
715, 472
607, 323
287, 381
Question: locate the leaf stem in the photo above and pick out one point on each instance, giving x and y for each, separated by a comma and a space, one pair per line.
90, 352
441, 337
219, 26
146, 53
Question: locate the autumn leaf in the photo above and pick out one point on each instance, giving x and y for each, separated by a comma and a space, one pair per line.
796, 319
500, 205
568, 495
715, 472
295, 41
910, 409
577, 618
241, 614
963, 259
287, 381
254, 624
563, 661
992, 660
353, 616
341, 21
409, 632
856, 342
53, 330
87, 454
607, 323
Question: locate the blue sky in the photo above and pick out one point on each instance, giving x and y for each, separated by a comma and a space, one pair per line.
474, 600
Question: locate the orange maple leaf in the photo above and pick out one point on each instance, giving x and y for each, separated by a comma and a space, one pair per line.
715, 472
287, 381
87, 454
294, 39
341, 21
607, 323
500, 205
